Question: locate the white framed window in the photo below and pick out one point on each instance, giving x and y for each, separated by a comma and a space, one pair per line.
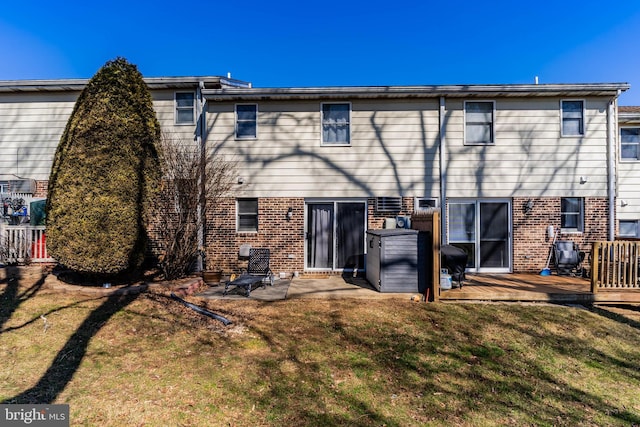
4, 187
572, 214
630, 143
336, 123
247, 215
479, 118
425, 203
629, 228
246, 121
185, 103
572, 111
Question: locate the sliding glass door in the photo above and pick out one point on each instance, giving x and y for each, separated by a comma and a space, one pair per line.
482, 228
335, 235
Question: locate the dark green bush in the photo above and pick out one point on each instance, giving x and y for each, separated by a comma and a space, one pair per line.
104, 173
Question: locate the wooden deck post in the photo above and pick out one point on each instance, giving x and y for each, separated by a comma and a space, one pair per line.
435, 287
595, 264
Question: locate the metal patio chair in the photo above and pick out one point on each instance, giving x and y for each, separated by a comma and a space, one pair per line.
258, 272
568, 258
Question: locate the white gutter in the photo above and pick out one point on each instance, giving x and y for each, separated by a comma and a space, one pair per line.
443, 172
612, 127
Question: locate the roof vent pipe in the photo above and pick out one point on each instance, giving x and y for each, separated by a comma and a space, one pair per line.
536, 79
229, 75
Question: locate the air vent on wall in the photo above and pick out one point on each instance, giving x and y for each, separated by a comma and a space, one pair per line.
388, 204
22, 186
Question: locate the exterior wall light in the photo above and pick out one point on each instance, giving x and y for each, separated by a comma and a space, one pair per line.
289, 214
528, 207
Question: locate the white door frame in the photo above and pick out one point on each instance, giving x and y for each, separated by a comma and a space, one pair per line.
477, 202
335, 202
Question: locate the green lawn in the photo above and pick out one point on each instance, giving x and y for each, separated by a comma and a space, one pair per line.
145, 360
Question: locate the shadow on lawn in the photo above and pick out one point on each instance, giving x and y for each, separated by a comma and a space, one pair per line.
68, 359
602, 311
11, 297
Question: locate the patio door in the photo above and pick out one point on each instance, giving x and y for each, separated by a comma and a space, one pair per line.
335, 234
482, 228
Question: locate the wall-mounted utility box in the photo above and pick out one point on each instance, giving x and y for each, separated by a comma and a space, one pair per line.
392, 260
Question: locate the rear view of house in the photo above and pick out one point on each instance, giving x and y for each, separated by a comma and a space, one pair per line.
318, 167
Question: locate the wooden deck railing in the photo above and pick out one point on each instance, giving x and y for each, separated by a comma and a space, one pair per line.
23, 243
615, 265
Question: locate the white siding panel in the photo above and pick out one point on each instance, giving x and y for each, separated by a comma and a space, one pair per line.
393, 150
629, 190
31, 125
529, 157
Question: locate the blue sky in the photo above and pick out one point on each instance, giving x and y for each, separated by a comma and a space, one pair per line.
330, 42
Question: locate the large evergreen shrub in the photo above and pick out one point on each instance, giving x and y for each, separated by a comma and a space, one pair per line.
104, 172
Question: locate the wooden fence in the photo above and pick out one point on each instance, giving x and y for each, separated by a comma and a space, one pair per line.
23, 243
429, 223
615, 265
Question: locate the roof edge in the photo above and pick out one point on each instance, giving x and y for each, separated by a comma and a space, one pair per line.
575, 89
57, 85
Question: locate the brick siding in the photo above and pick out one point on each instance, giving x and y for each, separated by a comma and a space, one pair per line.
531, 245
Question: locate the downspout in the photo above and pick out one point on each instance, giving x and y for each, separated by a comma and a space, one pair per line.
201, 140
443, 172
611, 158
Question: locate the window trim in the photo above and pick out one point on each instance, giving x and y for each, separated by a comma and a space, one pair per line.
176, 108
417, 200
580, 228
236, 121
628, 159
239, 214
584, 121
349, 122
493, 122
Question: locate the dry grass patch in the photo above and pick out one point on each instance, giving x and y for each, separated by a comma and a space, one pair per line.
146, 360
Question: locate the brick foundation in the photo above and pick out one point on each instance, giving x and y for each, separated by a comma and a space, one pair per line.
531, 245
284, 237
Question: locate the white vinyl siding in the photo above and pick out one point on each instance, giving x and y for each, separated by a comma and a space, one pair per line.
572, 117
393, 150
31, 125
529, 158
479, 122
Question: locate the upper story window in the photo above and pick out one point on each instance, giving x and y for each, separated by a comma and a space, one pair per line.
630, 143
185, 108
572, 214
246, 121
247, 219
478, 122
572, 118
336, 124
